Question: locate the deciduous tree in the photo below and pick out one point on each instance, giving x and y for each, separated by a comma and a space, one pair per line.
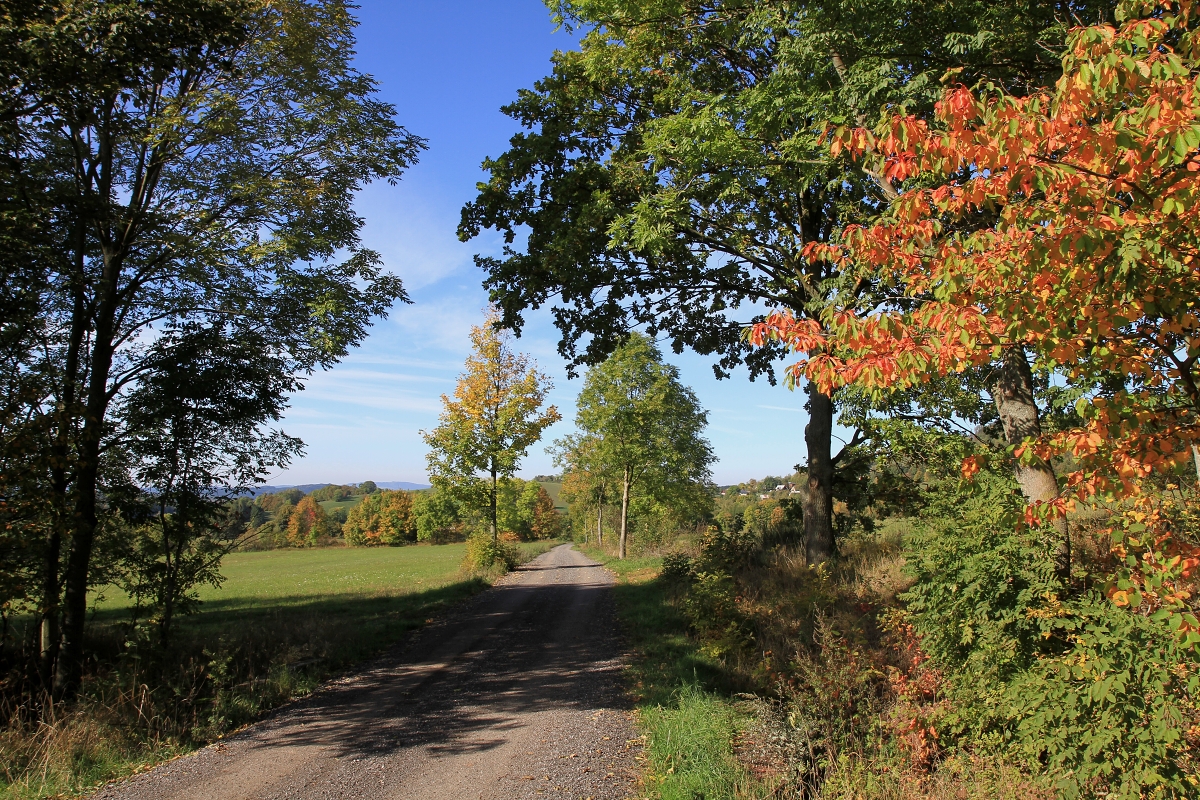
187, 163
494, 417
1064, 225
643, 428
383, 517
671, 175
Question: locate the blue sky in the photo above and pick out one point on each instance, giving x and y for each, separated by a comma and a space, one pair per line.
448, 66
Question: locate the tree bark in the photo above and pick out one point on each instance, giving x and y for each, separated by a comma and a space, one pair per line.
1019, 417
494, 518
818, 500
69, 670
59, 480
624, 513
600, 524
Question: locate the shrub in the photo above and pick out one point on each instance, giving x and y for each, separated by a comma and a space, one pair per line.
1118, 713
485, 553
977, 579
676, 568
1100, 698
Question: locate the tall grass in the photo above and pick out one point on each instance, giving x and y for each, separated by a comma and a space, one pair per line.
775, 680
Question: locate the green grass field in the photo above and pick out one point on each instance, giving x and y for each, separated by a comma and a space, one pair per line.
360, 598
348, 503
287, 577
282, 622
552, 489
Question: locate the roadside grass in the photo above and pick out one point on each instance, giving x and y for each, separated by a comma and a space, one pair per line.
283, 622
684, 702
722, 721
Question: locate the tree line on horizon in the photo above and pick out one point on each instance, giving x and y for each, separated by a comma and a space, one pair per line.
292, 518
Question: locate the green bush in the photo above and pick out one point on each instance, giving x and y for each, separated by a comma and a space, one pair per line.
676, 568
1113, 713
978, 578
485, 553
1099, 698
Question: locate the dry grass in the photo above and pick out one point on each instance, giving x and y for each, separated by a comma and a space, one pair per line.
843, 704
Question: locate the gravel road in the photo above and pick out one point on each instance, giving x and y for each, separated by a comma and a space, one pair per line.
514, 695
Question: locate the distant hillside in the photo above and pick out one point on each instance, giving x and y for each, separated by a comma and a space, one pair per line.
309, 487
553, 488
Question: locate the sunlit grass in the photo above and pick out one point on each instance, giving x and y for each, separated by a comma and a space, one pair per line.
281, 623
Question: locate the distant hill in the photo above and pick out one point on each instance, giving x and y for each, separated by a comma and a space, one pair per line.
412, 487
309, 487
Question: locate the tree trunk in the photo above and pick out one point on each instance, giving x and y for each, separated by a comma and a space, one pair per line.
624, 513
494, 518
50, 591
51, 588
69, 671
818, 500
600, 524
1013, 393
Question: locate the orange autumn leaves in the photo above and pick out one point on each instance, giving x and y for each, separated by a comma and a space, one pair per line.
1066, 223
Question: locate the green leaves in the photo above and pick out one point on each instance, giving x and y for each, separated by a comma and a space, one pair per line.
641, 436
494, 417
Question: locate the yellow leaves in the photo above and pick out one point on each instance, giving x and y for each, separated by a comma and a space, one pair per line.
495, 414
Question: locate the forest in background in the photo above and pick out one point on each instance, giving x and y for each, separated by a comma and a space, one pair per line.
364, 515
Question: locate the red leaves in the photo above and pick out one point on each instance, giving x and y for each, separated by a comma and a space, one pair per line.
1088, 256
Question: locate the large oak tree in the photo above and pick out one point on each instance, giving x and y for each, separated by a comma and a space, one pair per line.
672, 171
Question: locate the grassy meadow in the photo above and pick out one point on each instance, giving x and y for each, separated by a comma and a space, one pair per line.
282, 622
329, 506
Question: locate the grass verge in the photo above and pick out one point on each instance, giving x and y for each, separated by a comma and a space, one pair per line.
685, 709
283, 622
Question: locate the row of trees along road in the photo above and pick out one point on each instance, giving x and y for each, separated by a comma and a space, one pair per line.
639, 439
179, 249
673, 173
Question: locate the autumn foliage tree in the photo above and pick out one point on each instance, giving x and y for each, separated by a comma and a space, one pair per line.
385, 517
491, 421
1064, 225
308, 523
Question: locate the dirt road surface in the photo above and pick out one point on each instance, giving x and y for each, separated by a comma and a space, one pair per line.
514, 695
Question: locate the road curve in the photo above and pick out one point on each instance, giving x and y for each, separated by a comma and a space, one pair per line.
514, 695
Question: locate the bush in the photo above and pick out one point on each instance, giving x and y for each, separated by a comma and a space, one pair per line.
1118, 713
1100, 698
977, 580
485, 553
677, 568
